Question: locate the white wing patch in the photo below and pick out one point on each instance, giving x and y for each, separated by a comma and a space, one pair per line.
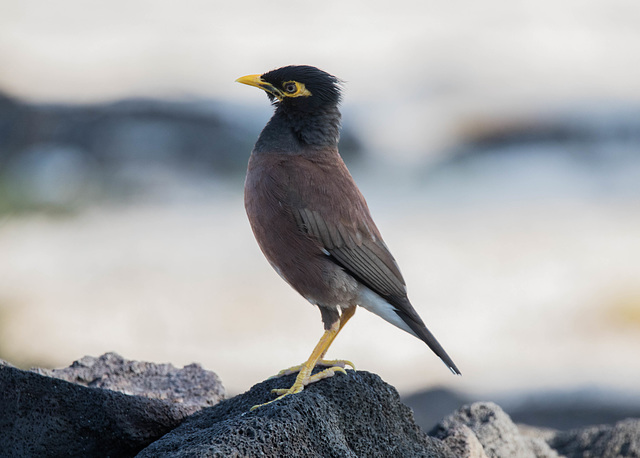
376, 304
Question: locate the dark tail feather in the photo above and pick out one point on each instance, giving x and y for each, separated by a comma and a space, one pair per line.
425, 335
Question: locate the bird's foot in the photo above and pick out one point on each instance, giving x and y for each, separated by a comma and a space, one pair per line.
305, 378
298, 387
331, 363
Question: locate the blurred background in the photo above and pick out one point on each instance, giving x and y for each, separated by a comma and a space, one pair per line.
497, 143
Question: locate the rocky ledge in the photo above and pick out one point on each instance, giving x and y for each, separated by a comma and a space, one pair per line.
116, 407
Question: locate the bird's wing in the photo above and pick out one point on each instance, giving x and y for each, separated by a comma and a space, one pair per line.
358, 250
317, 193
349, 236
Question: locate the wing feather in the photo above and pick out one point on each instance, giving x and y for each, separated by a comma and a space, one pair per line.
366, 258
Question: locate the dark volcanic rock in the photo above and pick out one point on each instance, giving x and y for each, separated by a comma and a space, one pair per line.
618, 441
353, 415
192, 386
344, 416
43, 416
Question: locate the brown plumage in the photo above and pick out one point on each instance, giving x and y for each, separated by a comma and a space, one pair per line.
310, 219
291, 207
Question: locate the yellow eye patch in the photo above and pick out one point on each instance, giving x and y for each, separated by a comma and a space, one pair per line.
294, 89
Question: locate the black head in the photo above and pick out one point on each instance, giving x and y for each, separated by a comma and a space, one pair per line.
298, 87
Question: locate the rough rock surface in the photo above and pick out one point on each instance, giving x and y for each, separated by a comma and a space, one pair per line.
349, 415
353, 415
618, 441
192, 386
463, 442
493, 428
44, 416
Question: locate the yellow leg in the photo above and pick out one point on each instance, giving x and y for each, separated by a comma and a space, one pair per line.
346, 316
304, 377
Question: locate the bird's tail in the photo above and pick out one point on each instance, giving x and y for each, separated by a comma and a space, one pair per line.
398, 311
420, 330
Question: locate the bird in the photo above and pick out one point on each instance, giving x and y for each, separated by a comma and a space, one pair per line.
313, 224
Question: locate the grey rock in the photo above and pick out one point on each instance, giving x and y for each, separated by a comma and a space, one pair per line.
191, 387
464, 442
44, 416
353, 415
541, 449
536, 432
349, 415
499, 436
618, 441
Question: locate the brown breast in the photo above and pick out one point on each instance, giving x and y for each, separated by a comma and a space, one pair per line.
276, 188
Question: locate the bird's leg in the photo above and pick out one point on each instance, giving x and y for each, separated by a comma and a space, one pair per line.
344, 317
305, 369
304, 375
333, 363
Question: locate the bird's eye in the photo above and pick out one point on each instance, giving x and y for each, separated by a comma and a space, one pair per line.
290, 87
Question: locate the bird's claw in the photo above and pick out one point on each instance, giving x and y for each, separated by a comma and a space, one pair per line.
333, 363
300, 383
329, 372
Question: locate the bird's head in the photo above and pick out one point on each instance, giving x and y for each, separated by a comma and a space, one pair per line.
298, 87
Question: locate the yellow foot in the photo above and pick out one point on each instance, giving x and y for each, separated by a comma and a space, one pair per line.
322, 362
304, 378
330, 372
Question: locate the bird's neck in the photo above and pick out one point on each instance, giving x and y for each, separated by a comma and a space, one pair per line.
290, 131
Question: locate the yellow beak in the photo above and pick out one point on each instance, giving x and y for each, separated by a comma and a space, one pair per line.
251, 80
257, 81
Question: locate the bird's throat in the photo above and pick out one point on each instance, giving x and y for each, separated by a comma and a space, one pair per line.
292, 130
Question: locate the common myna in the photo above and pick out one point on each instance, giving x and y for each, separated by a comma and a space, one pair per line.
311, 221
